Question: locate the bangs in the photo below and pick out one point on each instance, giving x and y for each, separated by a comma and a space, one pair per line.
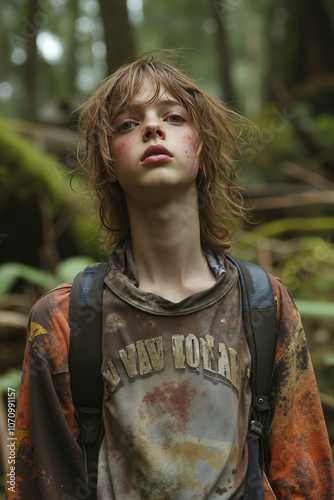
129, 84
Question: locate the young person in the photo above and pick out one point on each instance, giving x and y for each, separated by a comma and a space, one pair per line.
176, 362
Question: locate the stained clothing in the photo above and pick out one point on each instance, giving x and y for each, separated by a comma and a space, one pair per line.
177, 391
177, 398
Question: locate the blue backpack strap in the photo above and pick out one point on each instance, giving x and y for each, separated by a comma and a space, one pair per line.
85, 359
259, 315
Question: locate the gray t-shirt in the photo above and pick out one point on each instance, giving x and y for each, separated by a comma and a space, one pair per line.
177, 392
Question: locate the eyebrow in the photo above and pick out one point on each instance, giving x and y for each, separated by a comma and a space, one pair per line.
162, 102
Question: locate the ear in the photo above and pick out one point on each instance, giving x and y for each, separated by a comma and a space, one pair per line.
113, 180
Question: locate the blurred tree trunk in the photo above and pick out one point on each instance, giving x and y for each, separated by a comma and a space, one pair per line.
304, 54
223, 58
302, 67
117, 32
315, 49
3, 44
30, 67
72, 64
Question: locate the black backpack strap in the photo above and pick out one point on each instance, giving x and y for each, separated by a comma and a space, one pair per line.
259, 314
85, 358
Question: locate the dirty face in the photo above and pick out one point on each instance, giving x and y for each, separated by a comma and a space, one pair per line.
154, 147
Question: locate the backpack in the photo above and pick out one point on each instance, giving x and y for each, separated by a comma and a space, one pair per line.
85, 358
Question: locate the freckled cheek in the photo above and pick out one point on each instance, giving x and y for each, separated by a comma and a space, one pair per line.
191, 144
120, 151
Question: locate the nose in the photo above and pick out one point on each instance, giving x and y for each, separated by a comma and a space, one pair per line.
153, 128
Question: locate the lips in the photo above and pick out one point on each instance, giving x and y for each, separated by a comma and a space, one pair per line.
156, 153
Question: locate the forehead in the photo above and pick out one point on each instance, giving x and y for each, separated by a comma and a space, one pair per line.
148, 91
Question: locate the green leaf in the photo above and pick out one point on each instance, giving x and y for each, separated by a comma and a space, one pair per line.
314, 309
10, 379
68, 268
10, 272
328, 359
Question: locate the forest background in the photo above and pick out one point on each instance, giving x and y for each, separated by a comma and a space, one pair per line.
270, 60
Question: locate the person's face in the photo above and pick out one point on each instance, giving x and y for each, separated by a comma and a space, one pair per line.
154, 146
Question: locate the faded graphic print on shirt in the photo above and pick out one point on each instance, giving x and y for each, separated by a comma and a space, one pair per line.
177, 394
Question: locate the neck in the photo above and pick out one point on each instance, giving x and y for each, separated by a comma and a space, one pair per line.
167, 250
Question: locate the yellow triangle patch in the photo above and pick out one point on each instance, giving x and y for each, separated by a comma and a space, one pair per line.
36, 329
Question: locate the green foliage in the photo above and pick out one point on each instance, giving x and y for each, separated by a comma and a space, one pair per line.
316, 309
68, 268
321, 125
323, 363
328, 359
276, 141
281, 227
273, 143
305, 262
26, 172
10, 379
33, 181
12, 271
309, 272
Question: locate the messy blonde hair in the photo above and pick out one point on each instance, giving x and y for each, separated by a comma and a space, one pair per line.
220, 201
